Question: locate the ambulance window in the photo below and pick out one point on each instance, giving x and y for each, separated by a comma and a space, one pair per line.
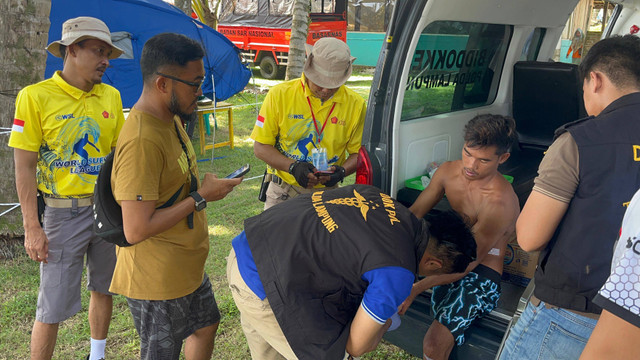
456, 66
245, 7
531, 47
281, 7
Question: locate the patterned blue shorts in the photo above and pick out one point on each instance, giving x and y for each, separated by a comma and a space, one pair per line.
456, 305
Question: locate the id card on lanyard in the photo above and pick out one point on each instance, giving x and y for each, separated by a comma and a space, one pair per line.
320, 150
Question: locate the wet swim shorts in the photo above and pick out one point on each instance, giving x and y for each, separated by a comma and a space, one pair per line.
458, 304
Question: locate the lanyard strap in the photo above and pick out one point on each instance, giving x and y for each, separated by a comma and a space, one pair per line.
313, 116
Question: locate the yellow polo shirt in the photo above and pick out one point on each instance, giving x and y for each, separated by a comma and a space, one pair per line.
285, 121
72, 130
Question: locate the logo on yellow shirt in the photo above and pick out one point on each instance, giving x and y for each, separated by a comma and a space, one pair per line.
184, 164
335, 120
65, 117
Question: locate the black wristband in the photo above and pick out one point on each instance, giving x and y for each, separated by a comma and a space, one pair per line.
293, 164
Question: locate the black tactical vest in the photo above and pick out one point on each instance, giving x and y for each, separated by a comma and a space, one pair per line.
312, 251
577, 260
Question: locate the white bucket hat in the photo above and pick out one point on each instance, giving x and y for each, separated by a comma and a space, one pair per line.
81, 28
329, 64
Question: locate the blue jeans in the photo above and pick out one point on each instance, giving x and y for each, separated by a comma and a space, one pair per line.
547, 334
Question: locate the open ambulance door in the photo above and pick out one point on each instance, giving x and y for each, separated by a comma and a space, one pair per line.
445, 61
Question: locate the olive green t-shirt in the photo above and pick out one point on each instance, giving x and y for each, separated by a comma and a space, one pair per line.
150, 164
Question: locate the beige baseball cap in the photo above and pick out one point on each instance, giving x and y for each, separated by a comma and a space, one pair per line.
329, 64
81, 28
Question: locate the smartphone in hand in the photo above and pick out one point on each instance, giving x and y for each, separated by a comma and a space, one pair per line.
323, 173
240, 172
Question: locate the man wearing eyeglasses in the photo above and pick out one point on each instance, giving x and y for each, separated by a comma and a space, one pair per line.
332, 277
475, 189
63, 129
162, 274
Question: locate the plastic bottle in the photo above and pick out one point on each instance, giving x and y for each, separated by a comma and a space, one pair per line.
319, 157
322, 161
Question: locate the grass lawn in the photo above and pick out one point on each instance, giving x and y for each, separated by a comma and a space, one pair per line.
19, 276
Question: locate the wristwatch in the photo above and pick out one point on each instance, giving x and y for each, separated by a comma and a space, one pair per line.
201, 203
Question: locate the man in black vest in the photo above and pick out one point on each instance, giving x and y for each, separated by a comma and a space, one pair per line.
333, 274
584, 183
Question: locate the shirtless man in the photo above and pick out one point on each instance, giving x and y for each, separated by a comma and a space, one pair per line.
476, 190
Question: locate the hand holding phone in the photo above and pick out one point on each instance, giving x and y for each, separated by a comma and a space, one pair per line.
338, 174
240, 172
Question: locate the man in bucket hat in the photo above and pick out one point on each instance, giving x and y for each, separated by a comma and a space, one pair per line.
64, 127
309, 130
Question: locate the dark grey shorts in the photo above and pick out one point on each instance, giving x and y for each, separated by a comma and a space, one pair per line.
164, 324
71, 237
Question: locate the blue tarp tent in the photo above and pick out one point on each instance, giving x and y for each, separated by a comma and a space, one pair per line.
132, 23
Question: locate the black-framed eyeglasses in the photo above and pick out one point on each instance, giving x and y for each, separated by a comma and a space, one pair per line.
196, 84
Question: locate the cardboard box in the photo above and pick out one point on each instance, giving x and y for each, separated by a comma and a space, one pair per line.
519, 265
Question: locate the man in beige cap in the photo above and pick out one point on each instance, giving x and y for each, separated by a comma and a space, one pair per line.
309, 130
63, 129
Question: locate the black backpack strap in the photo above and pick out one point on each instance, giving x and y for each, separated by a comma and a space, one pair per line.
194, 181
172, 199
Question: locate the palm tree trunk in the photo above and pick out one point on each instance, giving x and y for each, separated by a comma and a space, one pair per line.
24, 28
184, 5
210, 12
299, 30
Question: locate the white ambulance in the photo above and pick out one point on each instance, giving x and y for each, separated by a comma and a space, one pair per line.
446, 61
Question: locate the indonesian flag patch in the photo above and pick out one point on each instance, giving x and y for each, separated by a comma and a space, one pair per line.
18, 125
260, 121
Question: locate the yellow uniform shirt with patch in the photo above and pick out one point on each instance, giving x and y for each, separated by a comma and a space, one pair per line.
150, 164
72, 130
285, 121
